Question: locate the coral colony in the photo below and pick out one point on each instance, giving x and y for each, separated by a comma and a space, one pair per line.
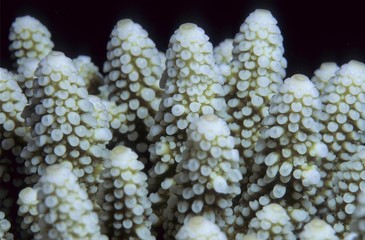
195, 143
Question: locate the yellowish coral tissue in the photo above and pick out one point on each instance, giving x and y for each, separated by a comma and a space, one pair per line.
197, 142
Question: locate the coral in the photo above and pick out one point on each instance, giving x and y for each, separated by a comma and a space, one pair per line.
89, 72
13, 137
132, 73
207, 178
199, 228
318, 229
29, 39
287, 154
4, 228
323, 75
272, 222
66, 128
29, 214
344, 133
65, 212
12, 103
192, 143
26, 76
257, 69
123, 196
358, 217
223, 52
191, 88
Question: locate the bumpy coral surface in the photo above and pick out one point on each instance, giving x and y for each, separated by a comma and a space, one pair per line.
318, 229
198, 142
133, 70
191, 89
89, 72
290, 146
28, 211
65, 126
65, 212
123, 196
207, 177
29, 39
256, 70
4, 228
358, 218
344, 134
199, 228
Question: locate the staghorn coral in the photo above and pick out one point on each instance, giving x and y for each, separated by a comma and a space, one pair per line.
191, 88
207, 178
358, 217
123, 196
257, 69
223, 52
89, 72
26, 76
66, 128
323, 75
289, 152
318, 229
271, 222
199, 228
13, 137
132, 73
344, 133
29, 213
300, 160
65, 212
29, 39
4, 228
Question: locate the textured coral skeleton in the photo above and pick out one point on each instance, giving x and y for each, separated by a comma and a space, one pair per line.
198, 142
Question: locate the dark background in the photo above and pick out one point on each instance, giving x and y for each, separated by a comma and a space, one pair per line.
314, 31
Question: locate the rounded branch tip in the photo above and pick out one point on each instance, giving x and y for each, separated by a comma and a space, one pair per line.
263, 16
262, 12
122, 152
58, 60
188, 26
190, 30
356, 65
299, 83
125, 23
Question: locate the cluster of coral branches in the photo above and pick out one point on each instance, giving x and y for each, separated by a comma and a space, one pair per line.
198, 142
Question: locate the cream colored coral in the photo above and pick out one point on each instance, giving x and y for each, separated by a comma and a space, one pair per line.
4, 228
65, 212
123, 196
133, 70
257, 69
191, 89
12, 103
344, 133
223, 52
66, 126
288, 155
26, 77
89, 72
13, 137
28, 212
207, 178
29, 39
272, 222
199, 228
358, 217
318, 229
323, 74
